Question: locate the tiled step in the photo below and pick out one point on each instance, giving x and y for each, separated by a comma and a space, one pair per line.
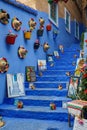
43, 113
39, 100
48, 84
46, 92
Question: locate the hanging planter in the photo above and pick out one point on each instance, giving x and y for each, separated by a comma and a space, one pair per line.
50, 1
55, 33
10, 38
27, 35
40, 32
3, 65
48, 27
36, 44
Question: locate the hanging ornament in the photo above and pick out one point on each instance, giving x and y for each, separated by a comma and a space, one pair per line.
32, 24
22, 52
16, 24
4, 17
46, 46
3, 65
41, 21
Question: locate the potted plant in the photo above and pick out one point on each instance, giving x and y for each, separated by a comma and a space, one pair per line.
55, 33
10, 38
50, 1
36, 44
48, 27
27, 34
40, 32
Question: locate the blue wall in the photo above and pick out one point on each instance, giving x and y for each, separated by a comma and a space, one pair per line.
17, 65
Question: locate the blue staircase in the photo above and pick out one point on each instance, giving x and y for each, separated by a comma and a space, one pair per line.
37, 101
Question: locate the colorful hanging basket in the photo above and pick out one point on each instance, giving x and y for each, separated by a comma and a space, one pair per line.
27, 35
10, 38
3, 65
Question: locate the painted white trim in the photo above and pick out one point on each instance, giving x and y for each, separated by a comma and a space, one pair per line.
66, 11
55, 23
75, 29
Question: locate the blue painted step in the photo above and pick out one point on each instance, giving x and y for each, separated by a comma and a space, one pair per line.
38, 100
61, 68
59, 78
56, 72
43, 113
48, 84
46, 92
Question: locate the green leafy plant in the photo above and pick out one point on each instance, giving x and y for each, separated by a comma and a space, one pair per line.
82, 40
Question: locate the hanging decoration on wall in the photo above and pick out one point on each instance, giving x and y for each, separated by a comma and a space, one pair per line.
16, 24
41, 28
3, 65
27, 34
46, 46
30, 74
40, 32
10, 38
4, 17
32, 24
15, 85
55, 33
49, 27
22, 52
42, 21
36, 44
